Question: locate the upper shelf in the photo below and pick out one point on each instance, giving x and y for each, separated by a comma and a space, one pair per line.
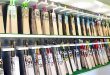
46, 36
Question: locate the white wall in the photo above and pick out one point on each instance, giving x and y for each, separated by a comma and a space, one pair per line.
105, 70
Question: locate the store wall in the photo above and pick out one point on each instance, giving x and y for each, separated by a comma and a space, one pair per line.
100, 71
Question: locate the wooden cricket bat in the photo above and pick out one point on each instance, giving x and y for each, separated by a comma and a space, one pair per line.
78, 61
36, 22
51, 62
66, 59
72, 60
1, 67
1, 20
101, 56
83, 27
29, 65
1, 64
60, 62
87, 57
7, 63
94, 29
98, 56
109, 28
46, 63
91, 56
108, 49
25, 20
83, 61
78, 26
59, 24
54, 22
15, 66
94, 57
88, 30
50, 22
66, 24
40, 70
103, 27
72, 25
101, 31
11, 23
45, 22
104, 53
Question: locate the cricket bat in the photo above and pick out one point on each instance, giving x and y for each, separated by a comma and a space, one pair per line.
36, 22
100, 28
94, 29
107, 48
7, 63
45, 22
29, 65
78, 26
72, 60
104, 53
87, 58
66, 59
51, 62
25, 20
101, 56
15, 65
83, 61
1, 20
66, 23
1, 64
11, 23
91, 56
94, 57
39, 63
72, 25
51, 23
83, 27
32, 52
88, 30
60, 62
1, 67
54, 22
59, 24
78, 58
45, 62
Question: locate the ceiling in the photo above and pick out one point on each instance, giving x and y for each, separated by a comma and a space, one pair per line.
98, 6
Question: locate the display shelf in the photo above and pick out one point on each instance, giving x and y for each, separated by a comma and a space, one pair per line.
46, 36
86, 70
